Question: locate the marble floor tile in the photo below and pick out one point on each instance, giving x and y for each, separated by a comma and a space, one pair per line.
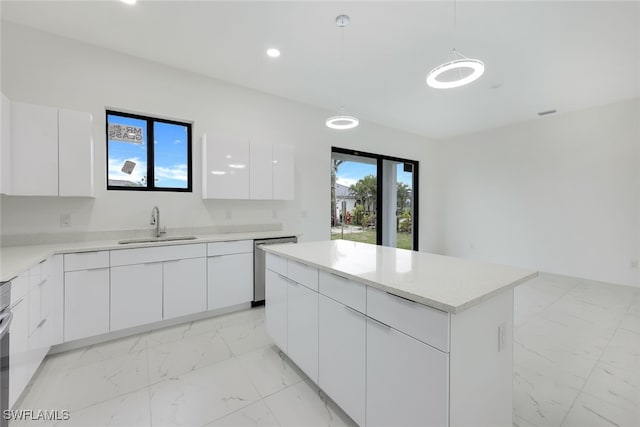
185, 330
87, 385
303, 405
270, 370
543, 390
254, 415
631, 322
201, 396
123, 411
245, 334
188, 354
562, 345
623, 351
616, 386
590, 411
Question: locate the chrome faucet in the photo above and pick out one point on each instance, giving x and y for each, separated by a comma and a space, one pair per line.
155, 220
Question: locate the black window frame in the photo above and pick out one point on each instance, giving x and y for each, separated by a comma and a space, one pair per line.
151, 153
415, 190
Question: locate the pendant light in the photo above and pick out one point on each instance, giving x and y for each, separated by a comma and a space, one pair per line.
474, 67
342, 121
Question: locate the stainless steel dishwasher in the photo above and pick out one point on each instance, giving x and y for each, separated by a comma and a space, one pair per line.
259, 265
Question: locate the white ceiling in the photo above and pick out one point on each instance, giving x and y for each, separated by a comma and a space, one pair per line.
563, 55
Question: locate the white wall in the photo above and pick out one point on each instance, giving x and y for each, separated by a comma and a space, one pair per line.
45, 69
558, 194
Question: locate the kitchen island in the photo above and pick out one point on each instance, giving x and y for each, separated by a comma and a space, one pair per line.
397, 337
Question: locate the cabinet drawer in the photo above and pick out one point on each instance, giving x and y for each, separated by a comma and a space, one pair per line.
303, 274
19, 286
344, 290
424, 323
276, 263
228, 248
86, 260
157, 254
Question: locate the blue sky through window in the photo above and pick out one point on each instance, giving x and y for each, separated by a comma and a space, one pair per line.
350, 172
170, 155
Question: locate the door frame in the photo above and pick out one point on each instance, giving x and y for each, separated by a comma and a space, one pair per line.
379, 180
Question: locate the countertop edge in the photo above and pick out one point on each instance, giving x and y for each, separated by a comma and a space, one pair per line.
408, 295
33, 254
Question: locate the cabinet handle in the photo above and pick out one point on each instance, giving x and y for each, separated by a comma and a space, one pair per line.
379, 323
356, 312
398, 296
42, 322
14, 305
42, 282
42, 261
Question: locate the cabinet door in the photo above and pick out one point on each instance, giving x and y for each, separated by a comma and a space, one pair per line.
185, 287
34, 150
342, 363
302, 328
75, 145
225, 168
230, 280
276, 308
136, 295
261, 170
5, 146
86, 303
283, 179
406, 380
18, 348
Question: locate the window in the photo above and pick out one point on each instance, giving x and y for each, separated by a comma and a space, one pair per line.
133, 163
374, 199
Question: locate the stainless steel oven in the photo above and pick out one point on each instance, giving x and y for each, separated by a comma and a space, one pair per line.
5, 322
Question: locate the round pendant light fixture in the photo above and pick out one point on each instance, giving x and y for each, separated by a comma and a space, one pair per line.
468, 69
342, 121
459, 71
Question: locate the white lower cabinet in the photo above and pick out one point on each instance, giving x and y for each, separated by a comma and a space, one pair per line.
302, 330
136, 295
276, 308
407, 380
86, 303
230, 280
18, 338
184, 287
342, 362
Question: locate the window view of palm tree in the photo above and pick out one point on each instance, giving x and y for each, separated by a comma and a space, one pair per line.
354, 201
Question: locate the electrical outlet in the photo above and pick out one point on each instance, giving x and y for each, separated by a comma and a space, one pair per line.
65, 220
304, 214
227, 215
634, 264
274, 214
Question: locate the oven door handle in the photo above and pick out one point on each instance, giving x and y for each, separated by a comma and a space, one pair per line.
5, 322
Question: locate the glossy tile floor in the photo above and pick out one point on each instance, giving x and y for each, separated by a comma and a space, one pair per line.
576, 363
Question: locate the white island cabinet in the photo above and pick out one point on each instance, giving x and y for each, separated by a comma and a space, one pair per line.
397, 337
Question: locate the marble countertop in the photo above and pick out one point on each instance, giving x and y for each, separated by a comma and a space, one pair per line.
446, 283
16, 259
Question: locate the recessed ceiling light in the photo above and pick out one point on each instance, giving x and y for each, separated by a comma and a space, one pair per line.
237, 166
129, 1
273, 52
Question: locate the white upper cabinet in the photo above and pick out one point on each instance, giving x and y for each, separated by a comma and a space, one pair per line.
283, 180
225, 168
50, 151
235, 168
5, 146
261, 171
34, 150
75, 145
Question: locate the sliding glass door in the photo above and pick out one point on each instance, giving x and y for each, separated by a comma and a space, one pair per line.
374, 199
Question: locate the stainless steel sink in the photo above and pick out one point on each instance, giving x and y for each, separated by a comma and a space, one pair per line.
156, 239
